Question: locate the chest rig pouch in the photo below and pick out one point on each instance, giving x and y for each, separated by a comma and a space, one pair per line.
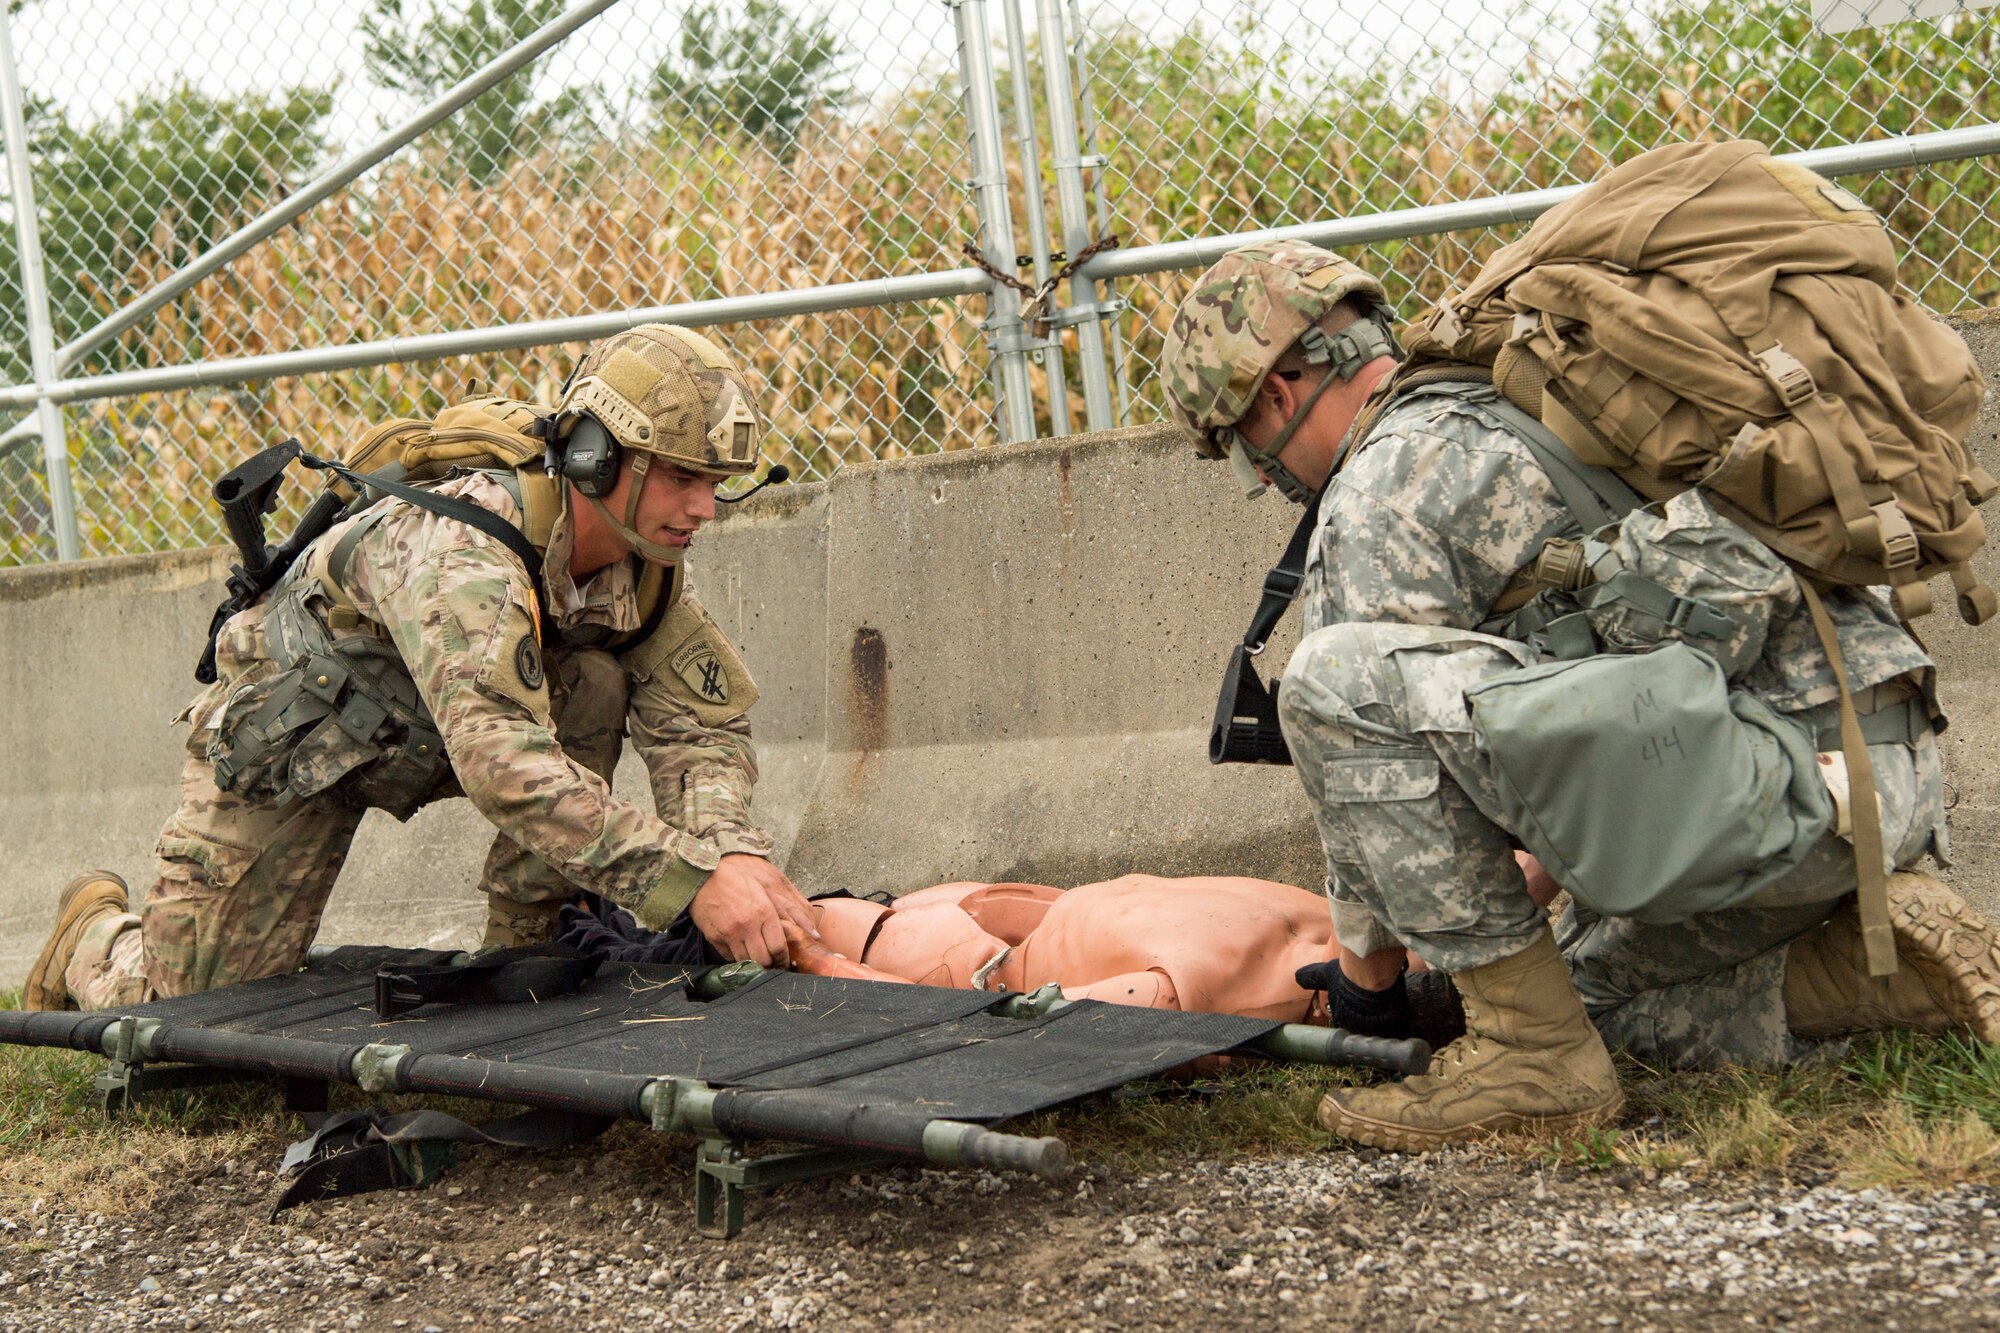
1672, 572
339, 726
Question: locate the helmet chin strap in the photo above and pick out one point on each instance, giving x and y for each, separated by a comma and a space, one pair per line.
645, 550
1343, 354
1249, 458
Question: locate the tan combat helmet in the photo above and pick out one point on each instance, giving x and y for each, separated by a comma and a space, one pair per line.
1240, 317
660, 391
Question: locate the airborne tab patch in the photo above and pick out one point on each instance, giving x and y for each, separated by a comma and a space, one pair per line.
696, 663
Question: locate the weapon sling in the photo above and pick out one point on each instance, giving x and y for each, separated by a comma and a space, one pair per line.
1246, 729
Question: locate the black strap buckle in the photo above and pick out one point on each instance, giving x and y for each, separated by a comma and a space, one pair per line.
1246, 728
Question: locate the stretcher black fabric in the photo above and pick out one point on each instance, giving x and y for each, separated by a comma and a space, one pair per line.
937, 1051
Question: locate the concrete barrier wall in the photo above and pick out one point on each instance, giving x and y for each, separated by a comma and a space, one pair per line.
996, 665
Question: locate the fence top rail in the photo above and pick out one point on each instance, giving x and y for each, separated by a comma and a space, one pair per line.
1430, 219
903, 290
1913, 150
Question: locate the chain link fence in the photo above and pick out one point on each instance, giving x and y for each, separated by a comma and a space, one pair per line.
1267, 116
675, 151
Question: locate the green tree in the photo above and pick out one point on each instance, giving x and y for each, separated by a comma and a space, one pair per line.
140, 192
421, 58
761, 72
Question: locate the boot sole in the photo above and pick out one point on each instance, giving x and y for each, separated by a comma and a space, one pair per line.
45, 987
1953, 952
1345, 1124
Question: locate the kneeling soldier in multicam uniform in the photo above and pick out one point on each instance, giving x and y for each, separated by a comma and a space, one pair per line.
453, 686
1271, 359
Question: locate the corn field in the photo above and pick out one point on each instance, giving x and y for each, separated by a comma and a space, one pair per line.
1204, 130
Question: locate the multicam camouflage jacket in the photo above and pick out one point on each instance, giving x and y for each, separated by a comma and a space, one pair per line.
453, 609
1437, 510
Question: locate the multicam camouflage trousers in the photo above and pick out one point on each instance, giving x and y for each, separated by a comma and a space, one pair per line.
241, 884
1417, 854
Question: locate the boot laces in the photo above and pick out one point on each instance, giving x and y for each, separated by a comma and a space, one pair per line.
1454, 1056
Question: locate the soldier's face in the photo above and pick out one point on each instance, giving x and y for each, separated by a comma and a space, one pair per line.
673, 504
1309, 454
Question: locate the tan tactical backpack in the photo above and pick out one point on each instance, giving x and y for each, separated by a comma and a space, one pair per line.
486, 432
1706, 315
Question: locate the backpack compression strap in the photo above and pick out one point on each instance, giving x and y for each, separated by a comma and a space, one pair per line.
462, 511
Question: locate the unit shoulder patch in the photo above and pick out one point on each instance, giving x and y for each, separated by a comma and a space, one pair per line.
514, 667
696, 664
528, 663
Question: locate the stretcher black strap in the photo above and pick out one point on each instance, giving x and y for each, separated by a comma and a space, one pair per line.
368, 1150
510, 976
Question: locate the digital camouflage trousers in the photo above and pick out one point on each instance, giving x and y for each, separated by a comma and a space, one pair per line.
240, 885
1417, 855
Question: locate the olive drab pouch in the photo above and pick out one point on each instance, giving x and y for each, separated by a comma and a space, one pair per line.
1646, 786
339, 725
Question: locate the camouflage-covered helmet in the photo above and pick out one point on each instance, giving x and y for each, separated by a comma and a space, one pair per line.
1241, 316
670, 392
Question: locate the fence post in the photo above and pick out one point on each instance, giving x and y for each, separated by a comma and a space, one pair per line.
35, 293
1051, 354
1006, 334
1087, 112
1086, 313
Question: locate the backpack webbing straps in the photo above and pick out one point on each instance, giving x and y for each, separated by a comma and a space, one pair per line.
1597, 497
462, 511
1871, 884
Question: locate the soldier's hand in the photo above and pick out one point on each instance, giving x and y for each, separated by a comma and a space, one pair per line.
743, 905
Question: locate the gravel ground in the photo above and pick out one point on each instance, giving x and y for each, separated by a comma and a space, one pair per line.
603, 1239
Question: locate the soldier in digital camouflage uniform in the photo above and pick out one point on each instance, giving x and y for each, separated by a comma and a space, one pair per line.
1427, 519
530, 728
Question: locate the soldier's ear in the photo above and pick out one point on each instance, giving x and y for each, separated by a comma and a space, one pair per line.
1277, 396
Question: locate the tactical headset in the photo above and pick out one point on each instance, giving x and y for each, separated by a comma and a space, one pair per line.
589, 458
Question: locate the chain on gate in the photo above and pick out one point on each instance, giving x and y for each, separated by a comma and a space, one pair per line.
1035, 311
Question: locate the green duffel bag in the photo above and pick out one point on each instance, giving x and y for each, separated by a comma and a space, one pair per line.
1645, 786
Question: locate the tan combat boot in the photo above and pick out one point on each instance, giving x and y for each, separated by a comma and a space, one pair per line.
84, 899
512, 925
1529, 1059
1947, 978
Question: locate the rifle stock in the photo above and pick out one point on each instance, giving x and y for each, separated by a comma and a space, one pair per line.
245, 494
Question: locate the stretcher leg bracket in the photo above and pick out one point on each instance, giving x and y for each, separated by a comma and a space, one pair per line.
723, 1178
120, 1087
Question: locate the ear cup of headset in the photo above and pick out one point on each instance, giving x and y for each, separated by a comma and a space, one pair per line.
591, 457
